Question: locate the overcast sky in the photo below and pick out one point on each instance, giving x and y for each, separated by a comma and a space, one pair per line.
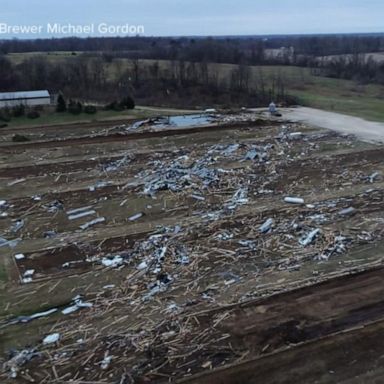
202, 17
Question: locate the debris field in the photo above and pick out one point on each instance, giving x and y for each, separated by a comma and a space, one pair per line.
232, 250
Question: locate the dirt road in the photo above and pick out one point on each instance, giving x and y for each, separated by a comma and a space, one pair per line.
365, 130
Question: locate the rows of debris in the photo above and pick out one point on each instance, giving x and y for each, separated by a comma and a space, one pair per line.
302, 234
188, 265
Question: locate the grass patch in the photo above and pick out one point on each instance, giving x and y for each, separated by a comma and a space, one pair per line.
55, 118
51, 117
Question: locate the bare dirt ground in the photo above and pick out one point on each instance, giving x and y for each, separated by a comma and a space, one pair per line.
363, 129
196, 270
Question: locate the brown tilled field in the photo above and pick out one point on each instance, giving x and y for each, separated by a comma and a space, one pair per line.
237, 251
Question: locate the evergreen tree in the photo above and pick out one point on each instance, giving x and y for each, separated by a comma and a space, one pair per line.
61, 104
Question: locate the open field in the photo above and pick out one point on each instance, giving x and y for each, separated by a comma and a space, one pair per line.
157, 253
336, 95
49, 117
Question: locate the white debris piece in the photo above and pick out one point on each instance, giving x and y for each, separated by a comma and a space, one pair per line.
114, 262
69, 310
27, 276
78, 210
79, 303
106, 361
294, 200
198, 197
347, 211
296, 134
123, 202
50, 339
239, 198
19, 224
142, 265
266, 226
43, 314
135, 217
372, 177
9, 243
81, 214
2, 203
19, 256
251, 155
91, 223
309, 238
69, 263
230, 149
16, 182
77, 213
16, 362
224, 236
109, 286
99, 184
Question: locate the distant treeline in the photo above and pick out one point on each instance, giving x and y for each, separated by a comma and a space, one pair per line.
189, 79
220, 50
169, 83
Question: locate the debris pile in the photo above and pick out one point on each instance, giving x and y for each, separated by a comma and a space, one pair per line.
149, 294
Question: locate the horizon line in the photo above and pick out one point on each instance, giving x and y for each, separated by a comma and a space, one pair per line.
191, 36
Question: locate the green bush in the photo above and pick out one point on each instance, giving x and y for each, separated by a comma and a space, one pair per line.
75, 107
61, 104
90, 109
20, 138
18, 110
5, 115
127, 102
33, 114
113, 106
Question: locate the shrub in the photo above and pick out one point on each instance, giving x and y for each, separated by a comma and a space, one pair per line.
3, 125
5, 115
108, 107
18, 110
33, 114
111, 106
61, 104
20, 138
118, 107
74, 107
114, 106
90, 109
127, 102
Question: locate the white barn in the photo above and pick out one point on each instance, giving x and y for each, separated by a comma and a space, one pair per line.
27, 98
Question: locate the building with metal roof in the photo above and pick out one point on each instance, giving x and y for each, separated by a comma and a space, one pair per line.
27, 98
